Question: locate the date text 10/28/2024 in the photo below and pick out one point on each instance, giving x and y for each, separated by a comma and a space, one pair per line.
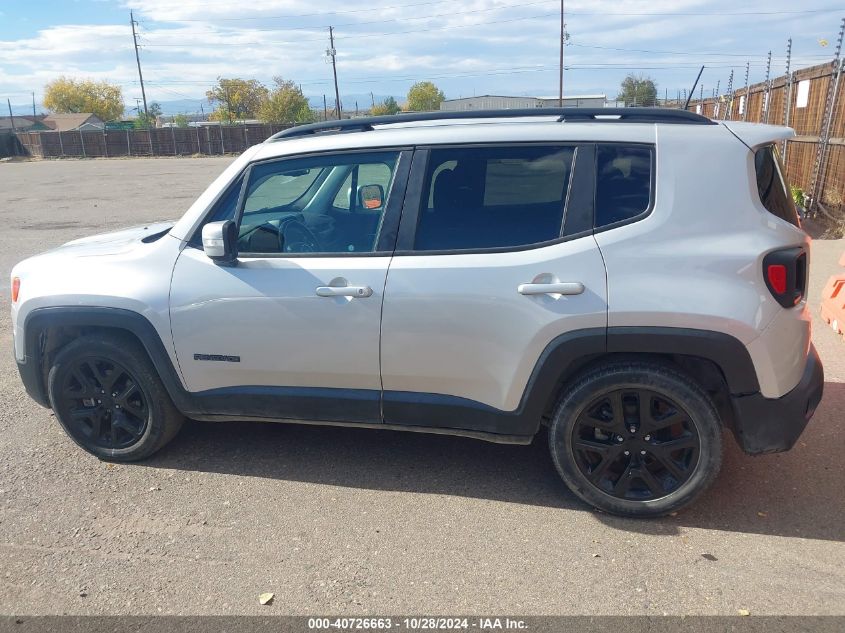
417, 624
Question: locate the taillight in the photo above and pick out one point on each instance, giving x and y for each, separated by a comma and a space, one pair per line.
16, 288
785, 273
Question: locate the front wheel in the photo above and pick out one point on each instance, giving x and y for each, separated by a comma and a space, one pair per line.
109, 399
636, 439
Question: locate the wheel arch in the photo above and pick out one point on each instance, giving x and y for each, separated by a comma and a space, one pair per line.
718, 362
48, 330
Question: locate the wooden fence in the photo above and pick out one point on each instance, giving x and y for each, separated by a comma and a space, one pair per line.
800, 101
172, 141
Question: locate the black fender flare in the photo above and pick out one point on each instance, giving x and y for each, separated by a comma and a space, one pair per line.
41, 319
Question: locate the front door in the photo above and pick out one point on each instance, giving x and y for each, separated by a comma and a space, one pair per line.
292, 330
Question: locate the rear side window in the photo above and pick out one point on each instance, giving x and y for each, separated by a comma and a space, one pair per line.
771, 184
493, 197
623, 182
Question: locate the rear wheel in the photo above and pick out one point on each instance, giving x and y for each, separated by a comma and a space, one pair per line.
636, 439
107, 396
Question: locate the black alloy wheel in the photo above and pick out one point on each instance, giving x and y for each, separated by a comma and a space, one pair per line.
635, 444
103, 404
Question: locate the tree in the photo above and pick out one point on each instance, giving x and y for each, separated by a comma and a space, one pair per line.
180, 120
148, 118
424, 96
388, 106
638, 90
236, 99
285, 104
66, 95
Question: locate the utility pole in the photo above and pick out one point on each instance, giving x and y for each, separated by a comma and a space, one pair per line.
729, 100
787, 104
33, 105
745, 97
11, 117
817, 188
768, 86
332, 52
325, 109
372, 98
562, 40
138, 60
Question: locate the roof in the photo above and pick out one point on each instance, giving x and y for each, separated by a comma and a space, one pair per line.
572, 97
71, 121
21, 122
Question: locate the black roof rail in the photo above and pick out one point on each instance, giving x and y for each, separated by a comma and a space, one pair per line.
623, 115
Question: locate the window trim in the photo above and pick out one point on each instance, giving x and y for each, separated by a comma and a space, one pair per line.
652, 193
386, 239
414, 199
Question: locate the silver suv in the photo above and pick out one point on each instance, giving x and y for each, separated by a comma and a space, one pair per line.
632, 280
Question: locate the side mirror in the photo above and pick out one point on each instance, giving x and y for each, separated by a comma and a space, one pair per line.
219, 241
370, 197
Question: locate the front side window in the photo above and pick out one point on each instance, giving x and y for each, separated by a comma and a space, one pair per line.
623, 182
493, 197
771, 185
325, 204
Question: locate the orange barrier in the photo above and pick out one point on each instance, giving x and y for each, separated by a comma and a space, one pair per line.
833, 301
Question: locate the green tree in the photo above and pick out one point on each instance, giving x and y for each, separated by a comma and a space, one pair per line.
285, 104
638, 90
66, 95
148, 118
236, 99
424, 96
388, 106
180, 120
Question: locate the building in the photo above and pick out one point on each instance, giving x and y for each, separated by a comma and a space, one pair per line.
84, 121
23, 123
500, 102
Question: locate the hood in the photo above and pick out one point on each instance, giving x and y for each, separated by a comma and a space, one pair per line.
115, 242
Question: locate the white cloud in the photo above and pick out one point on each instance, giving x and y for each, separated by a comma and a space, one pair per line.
478, 46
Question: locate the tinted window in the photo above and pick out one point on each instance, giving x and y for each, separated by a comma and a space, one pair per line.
771, 184
493, 197
291, 206
623, 182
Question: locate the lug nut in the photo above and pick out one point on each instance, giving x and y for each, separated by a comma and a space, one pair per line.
633, 429
647, 438
619, 438
627, 453
642, 452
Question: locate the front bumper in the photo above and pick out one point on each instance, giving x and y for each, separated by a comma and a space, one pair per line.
32, 382
772, 425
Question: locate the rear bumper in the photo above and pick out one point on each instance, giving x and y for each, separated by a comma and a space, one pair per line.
772, 425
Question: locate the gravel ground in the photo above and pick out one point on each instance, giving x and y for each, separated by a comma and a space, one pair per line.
359, 521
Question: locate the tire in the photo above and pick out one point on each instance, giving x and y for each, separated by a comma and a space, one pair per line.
106, 394
664, 420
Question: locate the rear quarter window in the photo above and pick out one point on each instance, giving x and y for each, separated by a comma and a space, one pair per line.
623, 182
772, 185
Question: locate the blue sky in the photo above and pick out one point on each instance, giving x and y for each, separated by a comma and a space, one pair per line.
476, 47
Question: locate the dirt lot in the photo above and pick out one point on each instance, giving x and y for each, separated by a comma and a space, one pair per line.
358, 521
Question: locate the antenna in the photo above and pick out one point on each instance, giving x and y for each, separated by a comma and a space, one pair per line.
692, 90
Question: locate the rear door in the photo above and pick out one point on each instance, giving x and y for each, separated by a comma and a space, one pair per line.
495, 259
